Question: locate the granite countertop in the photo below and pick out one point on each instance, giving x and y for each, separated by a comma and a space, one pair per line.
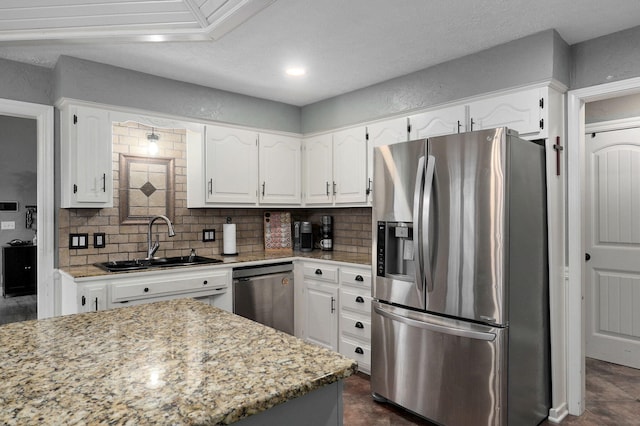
175, 362
84, 271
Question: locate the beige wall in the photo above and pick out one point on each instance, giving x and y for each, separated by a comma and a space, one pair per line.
352, 226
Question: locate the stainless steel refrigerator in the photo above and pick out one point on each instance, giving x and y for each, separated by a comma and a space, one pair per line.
460, 318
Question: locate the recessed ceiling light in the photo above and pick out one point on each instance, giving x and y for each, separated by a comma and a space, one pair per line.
296, 72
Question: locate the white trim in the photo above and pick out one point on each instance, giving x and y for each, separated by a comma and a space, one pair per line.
556, 415
610, 125
43, 114
576, 100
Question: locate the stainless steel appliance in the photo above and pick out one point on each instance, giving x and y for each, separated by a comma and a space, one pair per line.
264, 293
306, 236
460, 328
326, 233
297, 240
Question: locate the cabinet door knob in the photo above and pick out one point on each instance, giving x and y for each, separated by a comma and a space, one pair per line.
359, 299
205, 282
146, 289
359, 278
359, 324
318, 271
359, 350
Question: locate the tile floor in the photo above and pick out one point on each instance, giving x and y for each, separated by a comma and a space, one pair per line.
18, 308
612, 399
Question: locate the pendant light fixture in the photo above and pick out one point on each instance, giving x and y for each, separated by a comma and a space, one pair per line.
153, 142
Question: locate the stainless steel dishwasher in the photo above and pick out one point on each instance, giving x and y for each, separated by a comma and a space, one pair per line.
264, 293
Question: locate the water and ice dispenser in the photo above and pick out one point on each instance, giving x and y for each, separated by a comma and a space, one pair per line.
395, 251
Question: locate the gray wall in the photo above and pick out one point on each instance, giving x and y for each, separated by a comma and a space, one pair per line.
92, 81
605, 59
532, 59
26, 83
612, 109
18, 174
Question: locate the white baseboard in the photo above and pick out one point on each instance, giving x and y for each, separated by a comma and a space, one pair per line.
557, 414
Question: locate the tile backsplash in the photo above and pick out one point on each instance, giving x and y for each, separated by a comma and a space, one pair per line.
351, 226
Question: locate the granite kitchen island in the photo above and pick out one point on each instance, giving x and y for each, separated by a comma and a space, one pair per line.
179, 362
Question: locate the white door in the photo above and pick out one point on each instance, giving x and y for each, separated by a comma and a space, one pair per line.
612, 275
318, 169
322, 316
280, 164
445, 121
93, 156
231, 165
350, 166
383, 133
520, 111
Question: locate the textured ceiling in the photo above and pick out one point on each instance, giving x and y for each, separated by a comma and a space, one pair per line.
345, 45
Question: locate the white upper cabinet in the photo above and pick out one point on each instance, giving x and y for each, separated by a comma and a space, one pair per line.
231, 165
335, 168
85, 157
280, 168
445, 121
521, 111
318, 169
350, 166
383, 133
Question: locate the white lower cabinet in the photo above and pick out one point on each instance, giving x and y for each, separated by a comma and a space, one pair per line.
337, 309
321, 304
355, 316
211, 285
92, 297
322, 315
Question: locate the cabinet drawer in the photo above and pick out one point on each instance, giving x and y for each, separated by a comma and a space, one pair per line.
355, 277
145, 288
358, 351
322, 272
354, 325
357, 300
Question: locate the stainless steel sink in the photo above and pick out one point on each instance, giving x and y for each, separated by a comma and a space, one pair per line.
156, 262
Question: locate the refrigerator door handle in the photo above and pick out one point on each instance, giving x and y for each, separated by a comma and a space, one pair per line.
470, 334
426, 208
417, 212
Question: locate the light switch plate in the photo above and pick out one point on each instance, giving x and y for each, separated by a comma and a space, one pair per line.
8, 224
78, 241
208, 235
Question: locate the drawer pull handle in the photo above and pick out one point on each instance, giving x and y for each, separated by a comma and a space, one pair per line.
318, 271
205, 282
359, 325
359, 278
146, 289
359, 299
359, 350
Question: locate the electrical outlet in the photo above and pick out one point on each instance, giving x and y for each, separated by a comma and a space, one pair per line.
99, 240
208, 235
8, 224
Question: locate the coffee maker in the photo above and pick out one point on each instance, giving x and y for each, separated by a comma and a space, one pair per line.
326, 233
306, 236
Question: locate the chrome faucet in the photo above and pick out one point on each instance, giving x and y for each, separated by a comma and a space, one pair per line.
153, 247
